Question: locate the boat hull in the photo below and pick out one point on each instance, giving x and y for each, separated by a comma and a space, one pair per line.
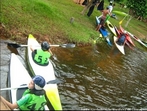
129, 41
119, 47
128, 38
18, 76
103, 31
137, 39
111, 27
47, 72
120, 13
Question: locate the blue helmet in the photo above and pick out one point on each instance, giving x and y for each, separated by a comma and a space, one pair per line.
45, 46
39, 82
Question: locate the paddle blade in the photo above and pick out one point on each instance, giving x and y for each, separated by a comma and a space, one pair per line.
13, 45
120, 22
56, 81
100, 35
108, 41
70, 45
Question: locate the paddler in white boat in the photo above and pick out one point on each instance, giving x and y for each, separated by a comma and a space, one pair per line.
122, 39
33, 98
41, 56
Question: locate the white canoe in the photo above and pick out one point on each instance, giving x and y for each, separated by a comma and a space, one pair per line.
18, 76
120, 47
137, 39
47, 72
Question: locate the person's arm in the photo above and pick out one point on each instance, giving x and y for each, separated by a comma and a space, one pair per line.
50, 52
109, 13
10, 105
31, 48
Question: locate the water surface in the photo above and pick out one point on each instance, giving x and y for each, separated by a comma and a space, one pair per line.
94, 77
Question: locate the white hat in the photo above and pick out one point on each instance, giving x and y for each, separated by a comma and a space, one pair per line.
111, 1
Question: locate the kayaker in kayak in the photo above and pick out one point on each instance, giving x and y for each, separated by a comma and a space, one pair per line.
41, 56
121, 40
33, 98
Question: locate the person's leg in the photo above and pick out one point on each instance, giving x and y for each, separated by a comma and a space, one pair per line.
90, 10
86, 7
79, 1
85, 2
98, 27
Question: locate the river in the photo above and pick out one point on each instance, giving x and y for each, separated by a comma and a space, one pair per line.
94, 77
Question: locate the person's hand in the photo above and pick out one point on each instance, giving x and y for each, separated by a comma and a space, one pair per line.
31, 48
1, 98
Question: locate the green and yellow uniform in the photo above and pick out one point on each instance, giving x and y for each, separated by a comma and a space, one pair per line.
31, 101
41, 57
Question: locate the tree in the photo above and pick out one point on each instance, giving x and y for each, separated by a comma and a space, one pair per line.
138, 8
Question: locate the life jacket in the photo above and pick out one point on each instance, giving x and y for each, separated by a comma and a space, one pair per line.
42, 57
121, 39
32, 101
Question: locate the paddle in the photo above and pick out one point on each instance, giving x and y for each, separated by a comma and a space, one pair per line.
107, 18
122, 20
56, 81
69, 45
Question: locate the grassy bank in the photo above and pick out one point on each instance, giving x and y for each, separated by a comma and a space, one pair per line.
50, 20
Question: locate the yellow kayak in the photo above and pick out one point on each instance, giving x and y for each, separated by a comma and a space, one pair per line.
47, 72
111, 27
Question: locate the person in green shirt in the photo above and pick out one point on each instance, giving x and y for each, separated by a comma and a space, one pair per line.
33, 98
41, 56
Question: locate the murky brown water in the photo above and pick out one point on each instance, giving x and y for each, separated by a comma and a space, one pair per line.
95, 77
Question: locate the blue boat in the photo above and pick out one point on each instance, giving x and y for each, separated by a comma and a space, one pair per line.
103, 31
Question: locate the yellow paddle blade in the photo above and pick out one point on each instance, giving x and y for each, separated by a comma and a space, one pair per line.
120, 22
94, 41
31, 36
100, 35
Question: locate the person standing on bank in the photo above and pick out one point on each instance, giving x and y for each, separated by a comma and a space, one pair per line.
33, 98
85, 2
111, 6
103, 18
100, 7
92, 7
41, 56
89, 4
78, 1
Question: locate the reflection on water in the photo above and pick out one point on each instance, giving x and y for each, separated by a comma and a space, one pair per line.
106, 79
99, 77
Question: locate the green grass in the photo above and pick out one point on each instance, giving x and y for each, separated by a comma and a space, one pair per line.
52, 18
